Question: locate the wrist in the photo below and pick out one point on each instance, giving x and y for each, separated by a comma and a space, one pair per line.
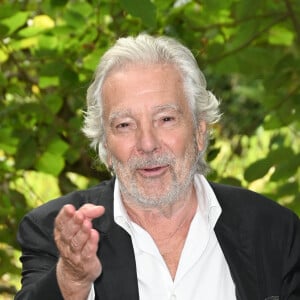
72, 287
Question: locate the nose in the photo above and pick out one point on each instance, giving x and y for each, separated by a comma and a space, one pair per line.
147, 139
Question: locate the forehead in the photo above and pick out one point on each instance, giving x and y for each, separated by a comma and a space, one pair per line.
140, 86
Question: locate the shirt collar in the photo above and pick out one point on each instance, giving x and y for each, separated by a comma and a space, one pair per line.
120, 214
208, 205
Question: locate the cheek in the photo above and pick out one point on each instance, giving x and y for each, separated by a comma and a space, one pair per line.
121, 149
180, 141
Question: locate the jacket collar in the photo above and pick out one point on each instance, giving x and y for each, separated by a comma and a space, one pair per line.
119, 278
236, 243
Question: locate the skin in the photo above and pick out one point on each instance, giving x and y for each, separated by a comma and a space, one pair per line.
77, 242
152, 144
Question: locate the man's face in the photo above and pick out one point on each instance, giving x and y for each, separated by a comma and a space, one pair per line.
151, 140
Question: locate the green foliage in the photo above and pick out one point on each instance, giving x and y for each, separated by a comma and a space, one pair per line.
248, 50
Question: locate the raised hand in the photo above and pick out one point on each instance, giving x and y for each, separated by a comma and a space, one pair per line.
77, 242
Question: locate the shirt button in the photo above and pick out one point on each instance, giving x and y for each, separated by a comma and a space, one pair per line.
173, 297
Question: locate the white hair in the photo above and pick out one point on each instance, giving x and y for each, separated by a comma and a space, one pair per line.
147, 50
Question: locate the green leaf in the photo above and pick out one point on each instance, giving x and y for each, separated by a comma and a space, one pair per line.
3, 56
7, 10
272, 122
68, 78
286, 168
163, 4
26, 155
8, 143
252, 59
257, 170
290, 188
50, 163
54, 102
91, 61
47, 81
243, 35
213, 153
276, 155
281, 36
72, 155
3, 30
144, 9
52, 68
83, 8
15, 21
25, 43
216, 5
74, 19
57, 146
47, 42
227, 65
58, 3
3, 80
30, 31
247, 7
230, 181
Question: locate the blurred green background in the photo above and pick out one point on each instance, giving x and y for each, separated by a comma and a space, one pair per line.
248, 49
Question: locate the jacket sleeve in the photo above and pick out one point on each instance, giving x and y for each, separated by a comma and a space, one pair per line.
39, 258
291, 265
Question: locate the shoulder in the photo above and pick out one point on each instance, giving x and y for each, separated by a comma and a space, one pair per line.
100, 194
251, 207
36, 227
44, 215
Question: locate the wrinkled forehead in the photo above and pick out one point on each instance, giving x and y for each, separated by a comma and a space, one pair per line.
160, 84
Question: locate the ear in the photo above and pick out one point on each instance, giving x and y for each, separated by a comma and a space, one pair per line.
200, 135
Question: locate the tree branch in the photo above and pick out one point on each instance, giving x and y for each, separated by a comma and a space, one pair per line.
236, 22
247, 43
293, 17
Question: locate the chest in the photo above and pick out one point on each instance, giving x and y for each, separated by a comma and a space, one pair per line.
201, 271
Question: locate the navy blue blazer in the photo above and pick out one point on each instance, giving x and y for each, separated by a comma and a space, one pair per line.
259, 238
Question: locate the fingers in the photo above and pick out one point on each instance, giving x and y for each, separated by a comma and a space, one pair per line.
81, 234
73, 228
91, 244
92, 211
69, 214
65, 214
77, 241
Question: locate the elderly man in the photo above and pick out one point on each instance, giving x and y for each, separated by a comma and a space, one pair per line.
158, 229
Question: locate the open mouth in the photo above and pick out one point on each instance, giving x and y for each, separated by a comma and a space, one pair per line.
153, 171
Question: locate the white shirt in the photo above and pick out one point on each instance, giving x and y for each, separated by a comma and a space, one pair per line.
202, 273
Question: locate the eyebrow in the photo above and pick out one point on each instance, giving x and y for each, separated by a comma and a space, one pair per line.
165, 107
157, 109
119, 114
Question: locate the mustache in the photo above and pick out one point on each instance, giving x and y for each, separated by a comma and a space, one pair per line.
151, 160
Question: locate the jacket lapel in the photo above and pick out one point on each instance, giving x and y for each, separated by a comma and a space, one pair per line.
238, 247
118, 279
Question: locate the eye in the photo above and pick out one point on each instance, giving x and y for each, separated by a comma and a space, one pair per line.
168, 119
122, 125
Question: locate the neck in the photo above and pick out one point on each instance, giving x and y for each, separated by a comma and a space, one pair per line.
168, 226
